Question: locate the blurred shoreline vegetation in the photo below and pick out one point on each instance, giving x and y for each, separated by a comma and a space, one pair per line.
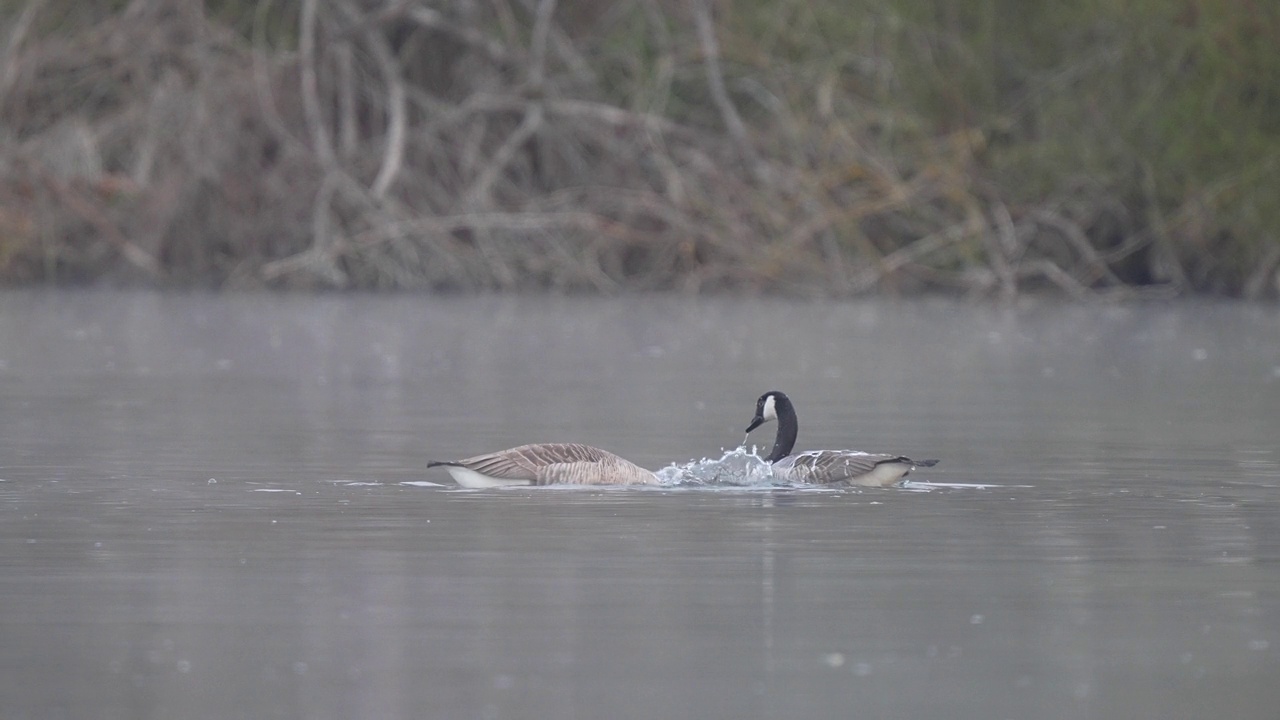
828, 148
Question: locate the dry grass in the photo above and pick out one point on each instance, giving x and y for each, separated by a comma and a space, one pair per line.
506, 145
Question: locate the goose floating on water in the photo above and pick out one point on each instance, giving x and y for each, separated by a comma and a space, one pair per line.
547, 464
822, 467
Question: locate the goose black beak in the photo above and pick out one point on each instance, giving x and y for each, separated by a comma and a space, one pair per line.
756, 422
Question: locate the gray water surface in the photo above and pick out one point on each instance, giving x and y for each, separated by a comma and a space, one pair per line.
218, 507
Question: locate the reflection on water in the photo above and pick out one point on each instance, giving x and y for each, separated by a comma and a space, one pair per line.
218, 507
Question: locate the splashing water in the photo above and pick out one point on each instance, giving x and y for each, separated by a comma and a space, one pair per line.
743, 467
739, 467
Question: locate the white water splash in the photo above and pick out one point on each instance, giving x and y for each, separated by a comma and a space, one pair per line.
739, 467
743, 467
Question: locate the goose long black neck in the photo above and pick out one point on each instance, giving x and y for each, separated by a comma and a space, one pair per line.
788, 428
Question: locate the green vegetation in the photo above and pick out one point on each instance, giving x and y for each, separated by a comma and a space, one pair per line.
822, 147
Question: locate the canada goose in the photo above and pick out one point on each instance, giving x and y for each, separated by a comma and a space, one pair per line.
547, 464
825, 466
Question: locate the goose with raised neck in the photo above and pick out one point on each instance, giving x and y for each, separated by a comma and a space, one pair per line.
824, 467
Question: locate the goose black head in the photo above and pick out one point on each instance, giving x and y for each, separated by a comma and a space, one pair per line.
767, 408
773, 405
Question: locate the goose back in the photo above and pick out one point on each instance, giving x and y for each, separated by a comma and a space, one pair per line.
847, 467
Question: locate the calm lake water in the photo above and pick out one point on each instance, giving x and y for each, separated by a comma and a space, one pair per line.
218, 507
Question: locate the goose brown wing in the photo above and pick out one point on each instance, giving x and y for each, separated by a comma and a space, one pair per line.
845, 464
620, 472
830, 466
524, 462
575, 464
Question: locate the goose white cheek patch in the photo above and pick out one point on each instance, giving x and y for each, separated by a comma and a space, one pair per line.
769, 412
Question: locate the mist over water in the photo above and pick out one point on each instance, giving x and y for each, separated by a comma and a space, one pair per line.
218, 506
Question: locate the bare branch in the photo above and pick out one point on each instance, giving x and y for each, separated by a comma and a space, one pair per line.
346, 100
397, 109
1000, 249
94, 212
1056, 275
565, 50
493, 49
1160, 227
715, 80
262, 79
1266, 272
478, 194
17, 34
320, 142
538, 45
1076, 237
